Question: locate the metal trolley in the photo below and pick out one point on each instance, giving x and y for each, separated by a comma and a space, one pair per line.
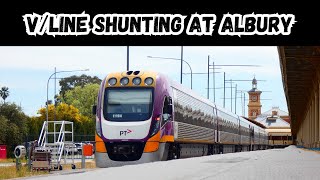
41, 159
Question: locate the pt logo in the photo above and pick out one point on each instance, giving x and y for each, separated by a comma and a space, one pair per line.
125, 132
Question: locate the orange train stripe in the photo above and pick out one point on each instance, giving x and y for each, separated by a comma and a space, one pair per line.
156, 137
151, 146
153, 143
100, 145
167, 138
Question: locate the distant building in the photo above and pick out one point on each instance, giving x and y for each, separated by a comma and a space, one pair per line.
277, 123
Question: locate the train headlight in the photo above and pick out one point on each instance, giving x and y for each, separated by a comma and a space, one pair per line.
124, 81
148, 81
136, 81
112, 81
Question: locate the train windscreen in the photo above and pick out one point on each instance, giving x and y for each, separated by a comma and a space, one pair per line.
129, 104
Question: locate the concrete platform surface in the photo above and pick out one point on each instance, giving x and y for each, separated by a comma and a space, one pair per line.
289, 163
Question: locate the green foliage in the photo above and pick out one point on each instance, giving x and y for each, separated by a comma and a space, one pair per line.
71, 82
82, 124
14, 127
34, 127
14, 114
83, 98
14, 137
3, 129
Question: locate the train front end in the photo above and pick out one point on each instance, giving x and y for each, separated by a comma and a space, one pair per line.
127, 120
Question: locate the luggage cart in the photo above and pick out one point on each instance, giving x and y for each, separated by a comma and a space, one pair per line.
41, 159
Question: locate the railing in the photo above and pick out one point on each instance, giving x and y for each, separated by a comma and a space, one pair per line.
60, 141
60, 150
59, 137
42, 135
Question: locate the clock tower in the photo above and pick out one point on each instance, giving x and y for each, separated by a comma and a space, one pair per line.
254, 106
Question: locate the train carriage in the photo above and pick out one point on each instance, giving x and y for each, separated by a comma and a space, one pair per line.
145, 116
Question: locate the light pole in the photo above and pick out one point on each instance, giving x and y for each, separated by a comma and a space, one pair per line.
206, 74
181, 65
232, 81
47, 109
127, 58
176, 59
213, 65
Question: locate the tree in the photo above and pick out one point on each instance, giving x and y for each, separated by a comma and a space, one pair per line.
4, 93
14, 138
83, 98
14, 114
13, 123
68, 113
34, 128
3, 129
63, 112
71, 82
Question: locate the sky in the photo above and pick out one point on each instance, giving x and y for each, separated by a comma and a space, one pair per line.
26, 70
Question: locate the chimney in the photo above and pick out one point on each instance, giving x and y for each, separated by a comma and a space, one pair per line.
274, 113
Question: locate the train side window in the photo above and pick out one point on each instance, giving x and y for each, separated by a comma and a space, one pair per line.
167, 110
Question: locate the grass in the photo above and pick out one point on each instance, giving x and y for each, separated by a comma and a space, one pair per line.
11, 171
89, 165
12, 160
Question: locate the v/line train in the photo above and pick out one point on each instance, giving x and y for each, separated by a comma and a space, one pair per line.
145, 117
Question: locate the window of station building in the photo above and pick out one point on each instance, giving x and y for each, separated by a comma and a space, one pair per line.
254, 113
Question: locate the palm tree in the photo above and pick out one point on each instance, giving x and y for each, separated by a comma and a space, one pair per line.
4, 93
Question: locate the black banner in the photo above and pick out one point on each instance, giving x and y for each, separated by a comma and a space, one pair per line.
119, 26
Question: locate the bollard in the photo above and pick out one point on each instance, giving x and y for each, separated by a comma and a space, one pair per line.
87, 150
18, 164
29, 157
83, 159
19, 152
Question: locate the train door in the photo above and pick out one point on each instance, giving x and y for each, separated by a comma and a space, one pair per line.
218, 147
166, 111
213, 147
215, 120
239, 132
250, 138
172, 149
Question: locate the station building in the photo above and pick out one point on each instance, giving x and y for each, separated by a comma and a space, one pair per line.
275, 121
300, 69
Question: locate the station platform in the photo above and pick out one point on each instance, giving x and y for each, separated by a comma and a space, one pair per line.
287, 163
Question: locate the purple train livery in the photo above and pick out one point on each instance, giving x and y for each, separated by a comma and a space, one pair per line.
144, 116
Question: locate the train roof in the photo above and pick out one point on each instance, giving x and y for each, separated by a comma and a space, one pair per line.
255, 122
205, 100
189, 91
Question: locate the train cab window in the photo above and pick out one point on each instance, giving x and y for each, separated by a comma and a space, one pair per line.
167, 110
124, 104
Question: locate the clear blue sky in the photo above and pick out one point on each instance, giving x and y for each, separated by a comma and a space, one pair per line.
25, 70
